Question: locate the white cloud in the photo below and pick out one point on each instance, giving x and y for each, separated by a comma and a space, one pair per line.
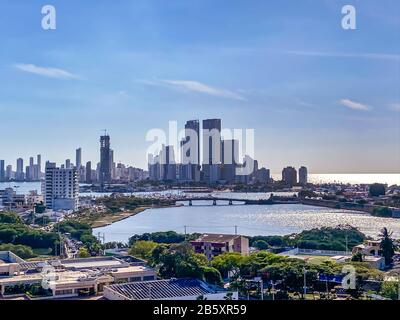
46, 71
381, 56
354, 105
395, 107
195, 86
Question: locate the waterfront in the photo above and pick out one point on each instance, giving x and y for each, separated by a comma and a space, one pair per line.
251, 220
356, 178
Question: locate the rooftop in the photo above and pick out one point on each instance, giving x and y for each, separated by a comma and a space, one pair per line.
161, 289
93, 262
213, 237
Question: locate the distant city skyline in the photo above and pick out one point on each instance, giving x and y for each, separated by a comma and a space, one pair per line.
315, 94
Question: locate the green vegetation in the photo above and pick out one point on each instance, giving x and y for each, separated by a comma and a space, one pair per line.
325, 238
14, 232
83, 252
387, 246
21, 251
163, 237
115, 204
142, 249
382, 212
390, 289
329, 238
180, 261
81, 232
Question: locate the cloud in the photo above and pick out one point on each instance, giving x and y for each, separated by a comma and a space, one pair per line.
395, 107
380, 56
46, 71
195, 86
354, 105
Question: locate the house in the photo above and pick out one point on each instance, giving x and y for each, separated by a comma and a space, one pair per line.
370, 251
214, 244
171, 289
370, 247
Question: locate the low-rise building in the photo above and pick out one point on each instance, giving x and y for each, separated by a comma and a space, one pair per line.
68, 278
214, 244
172, 289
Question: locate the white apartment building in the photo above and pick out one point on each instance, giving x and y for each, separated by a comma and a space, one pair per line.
61, 188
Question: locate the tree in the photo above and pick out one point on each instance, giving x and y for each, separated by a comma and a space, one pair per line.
83, 252
387, 246
261, 245
357, 257
377, 189
227, 262
390, 289
10, 217
21, 251
142, 249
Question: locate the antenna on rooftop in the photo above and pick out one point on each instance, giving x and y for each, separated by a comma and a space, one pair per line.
105, 131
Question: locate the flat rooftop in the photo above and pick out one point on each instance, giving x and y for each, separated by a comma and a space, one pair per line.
161, 289
214, 237
93, 263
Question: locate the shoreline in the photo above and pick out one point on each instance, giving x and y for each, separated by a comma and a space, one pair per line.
109, 219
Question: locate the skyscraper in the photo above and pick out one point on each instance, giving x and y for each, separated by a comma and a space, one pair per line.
31, 169
2, 171
9, 172
289, 176
105, 159
189, 170
211, 150
303, 175
230, 159
88, 172
192, 131
78, 158
39, 166
20, 170
68, 164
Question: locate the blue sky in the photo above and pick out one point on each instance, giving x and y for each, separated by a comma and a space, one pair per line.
316, 94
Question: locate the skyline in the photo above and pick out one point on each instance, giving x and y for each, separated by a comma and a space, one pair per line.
316, 95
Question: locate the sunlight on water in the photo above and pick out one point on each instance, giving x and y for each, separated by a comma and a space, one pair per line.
251, 220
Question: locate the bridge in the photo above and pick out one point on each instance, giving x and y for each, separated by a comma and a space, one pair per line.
214, 200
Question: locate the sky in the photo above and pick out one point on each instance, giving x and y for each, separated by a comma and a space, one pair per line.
314, 93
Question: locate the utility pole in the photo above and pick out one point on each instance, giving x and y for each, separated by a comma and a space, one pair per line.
305, 282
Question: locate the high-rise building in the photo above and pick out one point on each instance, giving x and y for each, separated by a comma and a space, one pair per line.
68, 164
289, 176
211, 149
192, 136
168, 165
2, 171
61, 187
303, 175
9, 172
189, 169
230, 159
20, 170
78, 158
39, 167
105, 160
88, 172
31, 169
